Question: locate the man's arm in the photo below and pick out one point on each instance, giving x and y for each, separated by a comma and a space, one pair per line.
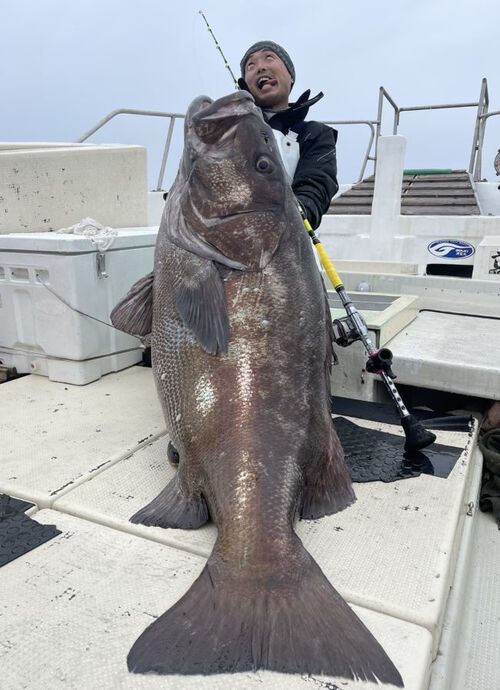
315, 179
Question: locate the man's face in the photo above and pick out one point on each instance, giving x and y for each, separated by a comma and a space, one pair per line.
268, 79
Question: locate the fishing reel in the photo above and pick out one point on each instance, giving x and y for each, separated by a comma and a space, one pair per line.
345, 332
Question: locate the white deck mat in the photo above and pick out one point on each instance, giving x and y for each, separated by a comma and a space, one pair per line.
395, 550
71, 609
392, 551
475, 666
54, 435
450, 352
115, 495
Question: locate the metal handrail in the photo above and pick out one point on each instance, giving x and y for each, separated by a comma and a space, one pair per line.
173, 116
150, 113
383, 93
371, 124
375, 127
447, 106
482, 109
439, 107
483, 120
481, 105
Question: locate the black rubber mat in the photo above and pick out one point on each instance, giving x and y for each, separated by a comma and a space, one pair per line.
374, 455
387, 413
12, 506
19, 534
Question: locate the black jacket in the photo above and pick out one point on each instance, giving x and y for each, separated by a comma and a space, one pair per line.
315, 179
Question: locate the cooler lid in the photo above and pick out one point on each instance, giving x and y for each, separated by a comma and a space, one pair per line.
60, 243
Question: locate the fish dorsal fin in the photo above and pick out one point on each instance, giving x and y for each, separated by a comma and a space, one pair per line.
201, 303
134, 313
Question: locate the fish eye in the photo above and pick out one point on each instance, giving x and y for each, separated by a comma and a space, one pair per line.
264, 164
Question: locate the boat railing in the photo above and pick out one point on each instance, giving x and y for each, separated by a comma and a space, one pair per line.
479, 128
375, 126
172, 117
372, 125
178, 116
477, 142
483, 121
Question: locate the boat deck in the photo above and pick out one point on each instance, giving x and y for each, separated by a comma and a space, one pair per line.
450, 193
89, 457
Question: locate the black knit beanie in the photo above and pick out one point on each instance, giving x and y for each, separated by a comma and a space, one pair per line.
275, 48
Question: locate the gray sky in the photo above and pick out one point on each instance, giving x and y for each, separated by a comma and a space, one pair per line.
65, 64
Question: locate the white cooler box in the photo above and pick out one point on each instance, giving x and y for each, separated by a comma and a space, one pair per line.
40, 331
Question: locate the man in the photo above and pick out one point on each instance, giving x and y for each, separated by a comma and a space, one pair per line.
307, 148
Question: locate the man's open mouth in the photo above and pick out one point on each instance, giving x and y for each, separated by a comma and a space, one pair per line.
265, 83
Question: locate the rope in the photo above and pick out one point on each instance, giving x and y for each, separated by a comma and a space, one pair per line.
89, 316
100, 236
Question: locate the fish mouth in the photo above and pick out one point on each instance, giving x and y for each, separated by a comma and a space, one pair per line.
238, 103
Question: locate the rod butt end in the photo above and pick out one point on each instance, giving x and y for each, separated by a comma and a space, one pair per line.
417, 437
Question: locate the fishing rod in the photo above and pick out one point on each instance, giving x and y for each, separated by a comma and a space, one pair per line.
217, 45
353, 327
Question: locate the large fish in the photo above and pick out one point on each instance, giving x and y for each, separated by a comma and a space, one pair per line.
242, 348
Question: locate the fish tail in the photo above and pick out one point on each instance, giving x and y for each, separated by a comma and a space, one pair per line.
291, 621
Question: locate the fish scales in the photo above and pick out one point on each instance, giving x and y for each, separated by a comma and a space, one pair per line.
241, 348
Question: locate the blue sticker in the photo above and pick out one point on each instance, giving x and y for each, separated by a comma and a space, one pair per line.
451, 249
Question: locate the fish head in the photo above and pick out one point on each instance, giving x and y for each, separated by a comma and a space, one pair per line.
235, 191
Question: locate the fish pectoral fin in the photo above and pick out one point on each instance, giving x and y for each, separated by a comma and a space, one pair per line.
201, 302
172, 508
134, 313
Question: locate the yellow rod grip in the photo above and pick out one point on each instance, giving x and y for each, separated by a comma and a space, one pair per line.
330, 270
329, 267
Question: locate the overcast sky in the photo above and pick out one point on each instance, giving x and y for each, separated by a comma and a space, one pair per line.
64, 64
